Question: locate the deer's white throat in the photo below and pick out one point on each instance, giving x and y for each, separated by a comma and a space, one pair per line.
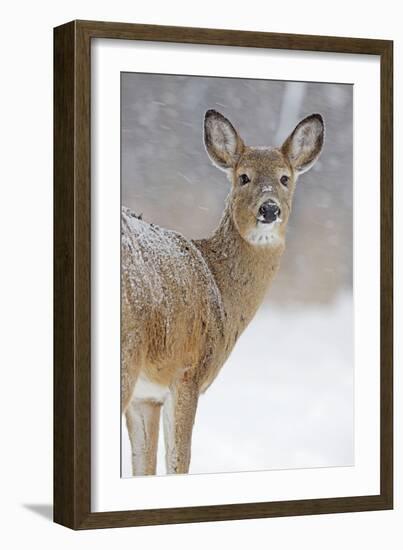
264, 234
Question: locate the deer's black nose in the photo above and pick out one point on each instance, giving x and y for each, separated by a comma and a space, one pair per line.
269, 211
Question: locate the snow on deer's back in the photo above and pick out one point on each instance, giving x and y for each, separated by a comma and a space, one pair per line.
171, 306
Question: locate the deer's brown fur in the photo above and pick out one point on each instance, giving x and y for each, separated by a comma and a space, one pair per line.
185, 303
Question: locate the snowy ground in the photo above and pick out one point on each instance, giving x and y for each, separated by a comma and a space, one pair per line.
284, 399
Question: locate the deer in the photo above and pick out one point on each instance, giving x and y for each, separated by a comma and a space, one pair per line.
186, 302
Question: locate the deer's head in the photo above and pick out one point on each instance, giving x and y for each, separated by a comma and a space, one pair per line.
263, 178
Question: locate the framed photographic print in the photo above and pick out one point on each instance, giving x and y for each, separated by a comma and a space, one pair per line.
223, 275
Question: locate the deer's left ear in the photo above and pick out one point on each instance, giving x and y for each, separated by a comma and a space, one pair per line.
305, 144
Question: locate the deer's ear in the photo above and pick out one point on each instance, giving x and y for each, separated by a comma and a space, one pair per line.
223, 143
304, 145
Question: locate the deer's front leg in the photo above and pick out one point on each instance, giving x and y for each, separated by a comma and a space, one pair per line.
142, 419
178, 414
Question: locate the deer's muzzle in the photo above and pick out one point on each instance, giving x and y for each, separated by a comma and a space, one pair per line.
269, 212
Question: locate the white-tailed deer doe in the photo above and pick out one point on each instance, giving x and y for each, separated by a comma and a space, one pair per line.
186, 302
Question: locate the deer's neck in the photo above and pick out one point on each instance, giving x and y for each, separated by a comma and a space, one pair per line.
242, 271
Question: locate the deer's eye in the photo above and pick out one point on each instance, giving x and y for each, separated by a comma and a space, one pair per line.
243, 179
284, 180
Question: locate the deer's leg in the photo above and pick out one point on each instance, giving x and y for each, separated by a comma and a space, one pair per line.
130, 369
142, 419
178, 414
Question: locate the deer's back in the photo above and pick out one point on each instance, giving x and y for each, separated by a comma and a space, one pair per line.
172, 313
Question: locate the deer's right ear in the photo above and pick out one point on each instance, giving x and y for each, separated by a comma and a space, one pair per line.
223, 143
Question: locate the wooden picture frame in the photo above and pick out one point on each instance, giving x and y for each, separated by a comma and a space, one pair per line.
72, 272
